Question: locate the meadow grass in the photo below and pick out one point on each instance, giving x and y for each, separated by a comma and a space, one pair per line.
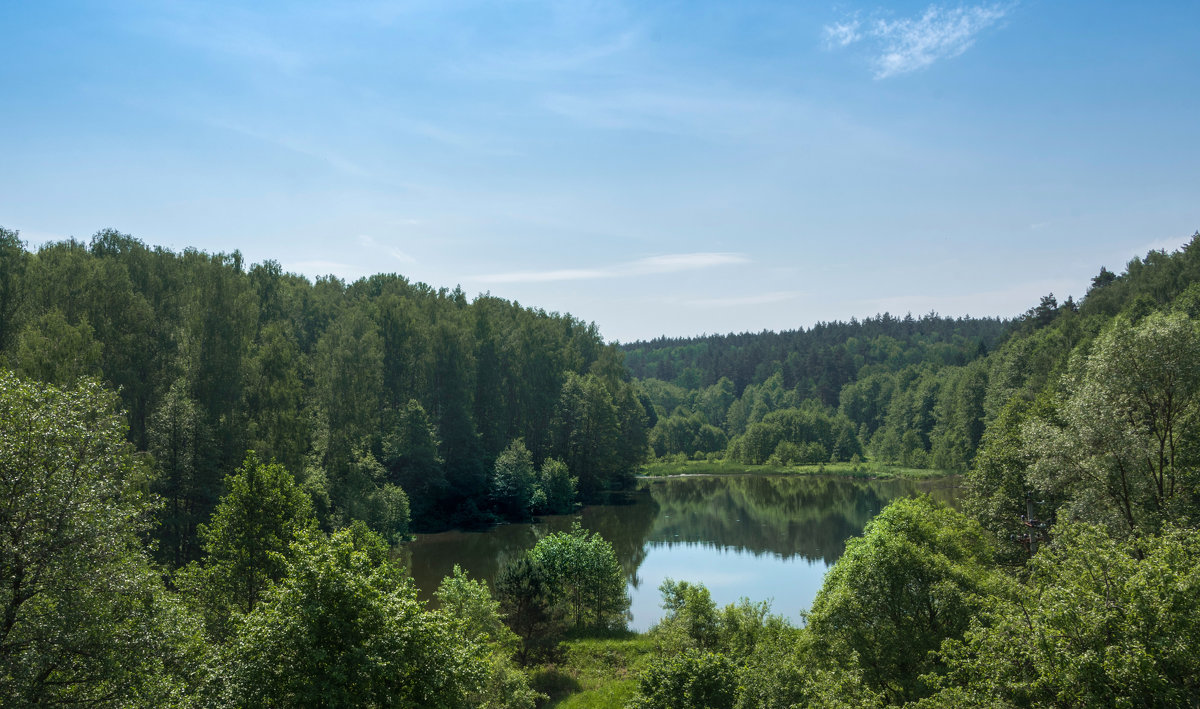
595, 671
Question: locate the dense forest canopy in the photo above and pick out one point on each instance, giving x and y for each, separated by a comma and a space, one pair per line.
918, 392
384, 398
819, 360
205, 468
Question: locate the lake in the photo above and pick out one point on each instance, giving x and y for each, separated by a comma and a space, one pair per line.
764, 537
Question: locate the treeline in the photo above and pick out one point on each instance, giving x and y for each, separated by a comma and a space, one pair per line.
921, 394
816, 362
388, 401
877, 387
1068, 579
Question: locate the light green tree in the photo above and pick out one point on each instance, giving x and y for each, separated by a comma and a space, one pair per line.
583, 568
1101, 623
468, 605
247, 542
558, 487
690, 679
84, 618
345, 629
1123, 455
914, 579
513, 481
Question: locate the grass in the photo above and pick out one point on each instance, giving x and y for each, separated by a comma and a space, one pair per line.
667, 468
595, 671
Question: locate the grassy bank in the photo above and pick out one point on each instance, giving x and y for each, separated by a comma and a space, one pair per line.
595, 672
660, 469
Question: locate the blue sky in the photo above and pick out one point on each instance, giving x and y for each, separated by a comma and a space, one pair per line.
657, 168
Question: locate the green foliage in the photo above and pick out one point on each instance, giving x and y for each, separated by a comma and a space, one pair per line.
342, 631
361, 492
513, 481
596, 671
599, 431
12, 267
1102, 623
770, 663
278, 427
567, 577
388, 512
247, 543
690, 679
691, 615
319, 376
583, 570
1122, 456
469, 605
690, 435
528, 604
816, 363
410, 454
177, 438
394, 400
997, 488
913, 580
85, 617
558, 487
784, 671
51, 350
790, 436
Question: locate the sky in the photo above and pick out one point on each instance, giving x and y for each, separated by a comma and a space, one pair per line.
658, 168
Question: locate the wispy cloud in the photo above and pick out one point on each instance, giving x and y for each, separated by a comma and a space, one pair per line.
909, 44
653, 265
300, 145
537, 63
232, 34
369, 242
841, 34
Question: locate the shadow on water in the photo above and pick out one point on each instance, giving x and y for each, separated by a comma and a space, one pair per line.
760, 536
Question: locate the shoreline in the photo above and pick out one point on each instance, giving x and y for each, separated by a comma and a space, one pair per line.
865, 471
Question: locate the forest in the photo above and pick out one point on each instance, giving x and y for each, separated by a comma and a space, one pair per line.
206, 467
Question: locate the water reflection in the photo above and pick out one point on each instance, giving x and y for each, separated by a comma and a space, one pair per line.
760, 536
782, 515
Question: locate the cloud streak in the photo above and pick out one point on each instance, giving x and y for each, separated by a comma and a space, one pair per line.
653, 265
370, 243
910, 44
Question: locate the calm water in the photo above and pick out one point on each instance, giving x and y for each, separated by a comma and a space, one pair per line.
765, 537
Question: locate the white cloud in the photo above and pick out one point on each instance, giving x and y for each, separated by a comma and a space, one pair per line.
907, 45
841, 34
667, 263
